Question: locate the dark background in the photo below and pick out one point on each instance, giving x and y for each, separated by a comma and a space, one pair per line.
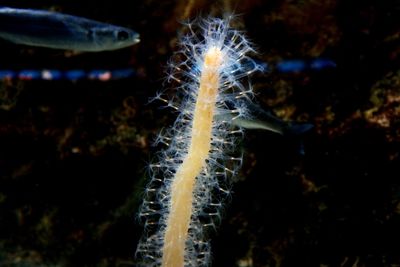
74, 155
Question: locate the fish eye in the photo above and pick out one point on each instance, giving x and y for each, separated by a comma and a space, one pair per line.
122, 35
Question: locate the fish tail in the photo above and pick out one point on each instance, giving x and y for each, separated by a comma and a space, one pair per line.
298, 128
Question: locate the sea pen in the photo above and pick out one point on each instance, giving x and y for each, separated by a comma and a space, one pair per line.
192, 175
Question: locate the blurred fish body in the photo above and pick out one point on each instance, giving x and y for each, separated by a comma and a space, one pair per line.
260, 119
60, 31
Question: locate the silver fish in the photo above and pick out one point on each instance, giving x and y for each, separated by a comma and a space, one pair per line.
262, 120
60, 31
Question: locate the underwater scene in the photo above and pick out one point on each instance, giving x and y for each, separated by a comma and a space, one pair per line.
224, 133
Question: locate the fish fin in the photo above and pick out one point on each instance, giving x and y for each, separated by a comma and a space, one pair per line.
298, 128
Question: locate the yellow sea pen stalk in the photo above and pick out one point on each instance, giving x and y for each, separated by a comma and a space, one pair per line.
183, 183
189, 182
